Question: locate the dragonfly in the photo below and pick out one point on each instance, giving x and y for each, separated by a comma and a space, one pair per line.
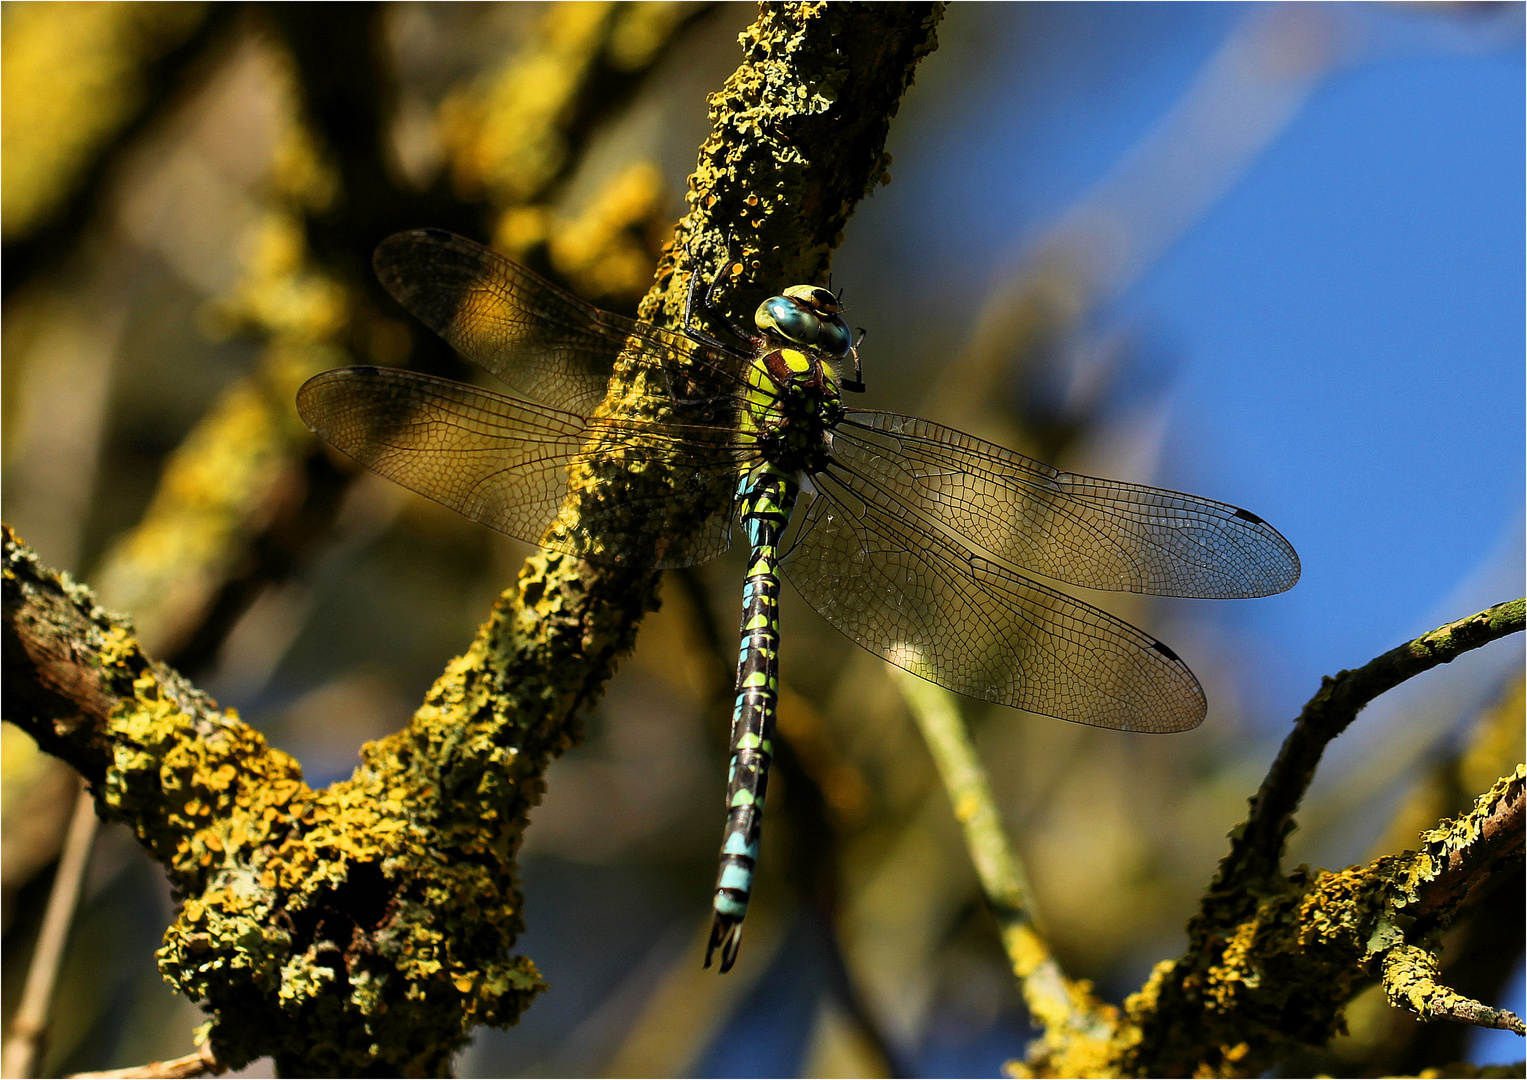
629, 444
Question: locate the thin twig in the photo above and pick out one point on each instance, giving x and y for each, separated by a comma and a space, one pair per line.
1052, 999
202, 1063
31, 1023
1259, 846
1412, 981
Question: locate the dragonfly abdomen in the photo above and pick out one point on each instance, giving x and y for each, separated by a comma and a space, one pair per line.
767, 496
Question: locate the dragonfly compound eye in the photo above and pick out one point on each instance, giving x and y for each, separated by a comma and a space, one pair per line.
834, 338
789, 318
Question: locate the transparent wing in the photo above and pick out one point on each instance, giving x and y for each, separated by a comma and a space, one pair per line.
542, 342
916, 596
1099, 534
649, 493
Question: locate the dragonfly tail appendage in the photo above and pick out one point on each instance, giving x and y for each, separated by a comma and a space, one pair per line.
726, 935
739, 855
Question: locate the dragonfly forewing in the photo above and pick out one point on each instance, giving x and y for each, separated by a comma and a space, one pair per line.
627, 492
540, 341
1097, 534
537, 339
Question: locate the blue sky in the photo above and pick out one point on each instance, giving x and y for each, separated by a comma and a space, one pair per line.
1349, 322
1342, 331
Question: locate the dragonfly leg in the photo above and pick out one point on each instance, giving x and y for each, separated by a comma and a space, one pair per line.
740, 332
673, 393
715, 308
856, 384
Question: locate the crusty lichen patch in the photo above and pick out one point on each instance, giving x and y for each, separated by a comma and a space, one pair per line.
309, 916
1273, 972
797, 139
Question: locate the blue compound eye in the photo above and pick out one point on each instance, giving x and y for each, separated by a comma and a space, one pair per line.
834, 338
786, 317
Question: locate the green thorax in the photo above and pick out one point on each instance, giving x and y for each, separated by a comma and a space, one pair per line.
791, 403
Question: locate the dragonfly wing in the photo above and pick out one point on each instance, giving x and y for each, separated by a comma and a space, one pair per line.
542, 342
917, 597
1098, 534
649, 494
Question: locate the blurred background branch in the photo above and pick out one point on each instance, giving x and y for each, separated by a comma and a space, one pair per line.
1068, 1013
29, 1027
84, 83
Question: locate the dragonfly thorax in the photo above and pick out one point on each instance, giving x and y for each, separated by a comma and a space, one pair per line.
793, 402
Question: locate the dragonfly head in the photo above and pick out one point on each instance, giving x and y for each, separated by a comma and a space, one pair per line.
806, 315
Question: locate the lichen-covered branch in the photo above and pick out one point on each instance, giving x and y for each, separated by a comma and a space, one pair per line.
1412, 979
1278, 978
1484, 944
299, 905
1492, 837
798, 138
371, 925
1258, 844
1273, 959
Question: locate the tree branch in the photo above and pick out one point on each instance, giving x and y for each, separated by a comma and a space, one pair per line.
1067, 1011
371, 925
1495, 839
1412, 981
1278, 978
1258, 845
1273, 960
29, 1027
202, 1063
